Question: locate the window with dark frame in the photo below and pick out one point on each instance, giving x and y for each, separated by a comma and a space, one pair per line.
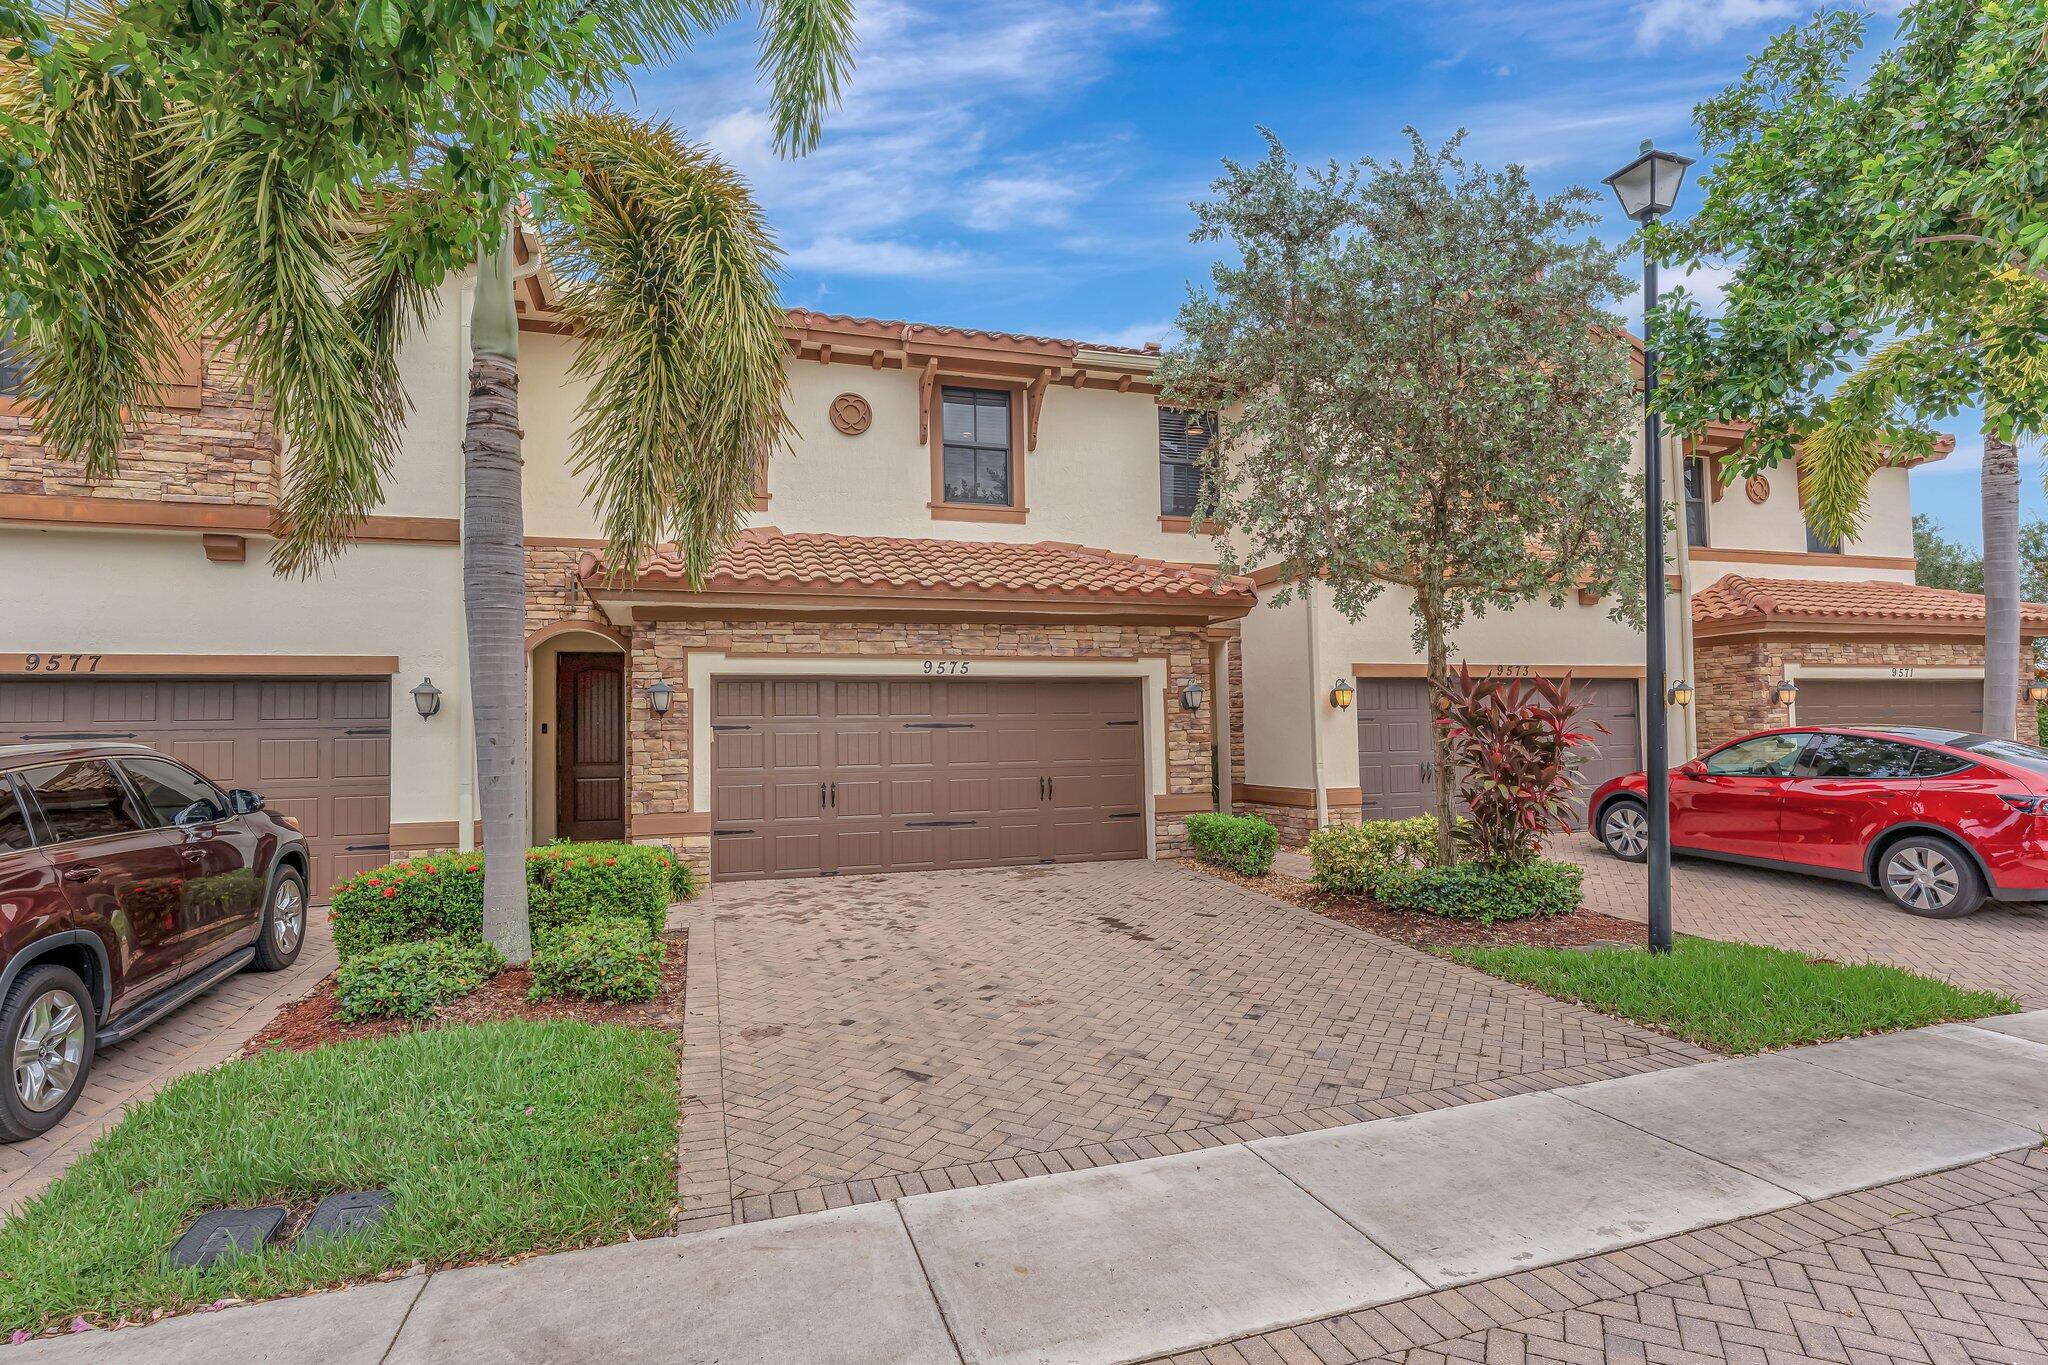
1696, 502
975, 427
12, 371
1183, 443
1816, 544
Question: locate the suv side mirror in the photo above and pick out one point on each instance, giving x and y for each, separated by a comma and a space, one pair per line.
245, 801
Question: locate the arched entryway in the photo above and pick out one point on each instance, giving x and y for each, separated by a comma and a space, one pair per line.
578, 673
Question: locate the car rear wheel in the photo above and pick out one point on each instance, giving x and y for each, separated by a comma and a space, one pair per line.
48, 1029
1924, 875
1625, 829
284, 923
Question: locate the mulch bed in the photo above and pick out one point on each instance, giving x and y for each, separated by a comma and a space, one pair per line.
1576, 930
311, 1022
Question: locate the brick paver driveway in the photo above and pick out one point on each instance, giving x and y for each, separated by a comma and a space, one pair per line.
204, 1033
2001, 947
855, 1039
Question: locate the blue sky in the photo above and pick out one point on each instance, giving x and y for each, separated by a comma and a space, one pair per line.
1027, 166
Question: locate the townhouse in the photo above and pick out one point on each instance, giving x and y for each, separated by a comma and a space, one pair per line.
968, 625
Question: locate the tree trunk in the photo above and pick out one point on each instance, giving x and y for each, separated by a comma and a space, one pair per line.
1437, 665
494, 601
2001, 493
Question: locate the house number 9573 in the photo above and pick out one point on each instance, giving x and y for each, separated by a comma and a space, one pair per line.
938, 666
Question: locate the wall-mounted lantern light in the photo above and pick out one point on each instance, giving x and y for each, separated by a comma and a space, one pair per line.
661, 696
427, 698
1191, 695
1342, 694
1679, 693
1785, 693
2037, 691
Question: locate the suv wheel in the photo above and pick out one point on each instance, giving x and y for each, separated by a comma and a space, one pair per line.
48, 1030
1923, 875
283, 931
1625, 829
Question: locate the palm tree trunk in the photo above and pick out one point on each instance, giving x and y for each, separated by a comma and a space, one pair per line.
494, 601
2001, 494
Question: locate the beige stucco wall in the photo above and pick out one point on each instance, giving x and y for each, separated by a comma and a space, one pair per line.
119, 592
1779, 524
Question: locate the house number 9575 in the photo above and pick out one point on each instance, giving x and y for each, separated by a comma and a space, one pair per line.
938, 666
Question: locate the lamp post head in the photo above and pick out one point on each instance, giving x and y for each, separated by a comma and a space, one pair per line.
1648, 186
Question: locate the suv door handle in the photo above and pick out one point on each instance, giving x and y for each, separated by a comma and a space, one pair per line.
81, 874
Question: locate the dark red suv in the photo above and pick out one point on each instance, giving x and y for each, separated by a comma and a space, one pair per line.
1938, 820
128, 885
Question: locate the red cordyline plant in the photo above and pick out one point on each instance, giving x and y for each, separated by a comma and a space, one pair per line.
1517, 750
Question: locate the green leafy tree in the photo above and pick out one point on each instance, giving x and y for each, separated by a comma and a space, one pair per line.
1416, 390
1939, 562
302, 176
1891, 266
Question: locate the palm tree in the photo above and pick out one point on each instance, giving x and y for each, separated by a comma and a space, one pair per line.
177, 191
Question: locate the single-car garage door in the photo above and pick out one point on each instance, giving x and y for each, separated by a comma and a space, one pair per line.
821, 776
1394, 775
318, 749
1948, 703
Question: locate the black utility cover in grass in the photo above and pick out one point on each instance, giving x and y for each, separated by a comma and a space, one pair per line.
224, 1233
345, 1215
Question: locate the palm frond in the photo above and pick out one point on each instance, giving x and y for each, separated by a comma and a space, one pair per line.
667, 279
806, 55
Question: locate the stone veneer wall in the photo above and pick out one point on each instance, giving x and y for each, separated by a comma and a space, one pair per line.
1736, 674
1296, 823
658, 771
223, 452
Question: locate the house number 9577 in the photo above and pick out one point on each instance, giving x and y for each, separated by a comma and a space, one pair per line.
938, 666
60, 663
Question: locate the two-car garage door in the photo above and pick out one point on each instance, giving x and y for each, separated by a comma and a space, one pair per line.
318, 749
820, 776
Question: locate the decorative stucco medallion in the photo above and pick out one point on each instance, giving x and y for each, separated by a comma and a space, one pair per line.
1757, 487
851, 413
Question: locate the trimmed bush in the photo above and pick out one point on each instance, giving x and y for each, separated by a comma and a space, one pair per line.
569, 883
1476, 891
1353, 860
411, 980
599, 959
1243, 843
441, 895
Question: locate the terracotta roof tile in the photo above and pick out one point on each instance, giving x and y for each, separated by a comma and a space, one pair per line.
805, 317
1736, 598
764, 559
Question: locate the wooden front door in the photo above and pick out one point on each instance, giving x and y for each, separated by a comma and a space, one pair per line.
590, 746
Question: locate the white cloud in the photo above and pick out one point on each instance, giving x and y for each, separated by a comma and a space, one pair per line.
1705, 22
996, 202
877, 257
1165, 332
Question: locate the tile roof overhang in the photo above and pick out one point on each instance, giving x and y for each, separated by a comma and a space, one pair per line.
1736, 604
819, 576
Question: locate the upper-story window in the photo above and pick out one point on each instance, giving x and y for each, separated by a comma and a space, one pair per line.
976, 426
11, 369
1183, 441
1816, 544
1695, 502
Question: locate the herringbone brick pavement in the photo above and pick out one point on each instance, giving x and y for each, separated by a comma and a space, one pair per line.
883, 1036
2000, 948
1941, 1270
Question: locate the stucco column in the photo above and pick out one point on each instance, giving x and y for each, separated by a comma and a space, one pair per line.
1220, 738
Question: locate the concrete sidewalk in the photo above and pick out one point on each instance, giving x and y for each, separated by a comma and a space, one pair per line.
1131, 1262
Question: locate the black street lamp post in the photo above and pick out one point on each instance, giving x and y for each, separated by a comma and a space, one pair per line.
1647, 187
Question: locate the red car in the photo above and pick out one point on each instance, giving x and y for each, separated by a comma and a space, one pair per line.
1938, 820
128, 885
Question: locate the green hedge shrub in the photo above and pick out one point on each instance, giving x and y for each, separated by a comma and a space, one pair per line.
411, 980
1475, 891
599, 959
442, 895
1354, 860
1243, 843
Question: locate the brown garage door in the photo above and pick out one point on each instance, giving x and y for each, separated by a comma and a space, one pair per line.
318, 749
1948, 703
820, 776
1393, 741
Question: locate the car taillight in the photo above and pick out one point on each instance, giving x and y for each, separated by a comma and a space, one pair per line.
2032, 805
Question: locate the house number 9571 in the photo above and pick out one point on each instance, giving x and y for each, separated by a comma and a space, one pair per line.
938, 666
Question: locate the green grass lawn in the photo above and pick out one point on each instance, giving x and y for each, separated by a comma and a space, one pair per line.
1737, 997
494, 1139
